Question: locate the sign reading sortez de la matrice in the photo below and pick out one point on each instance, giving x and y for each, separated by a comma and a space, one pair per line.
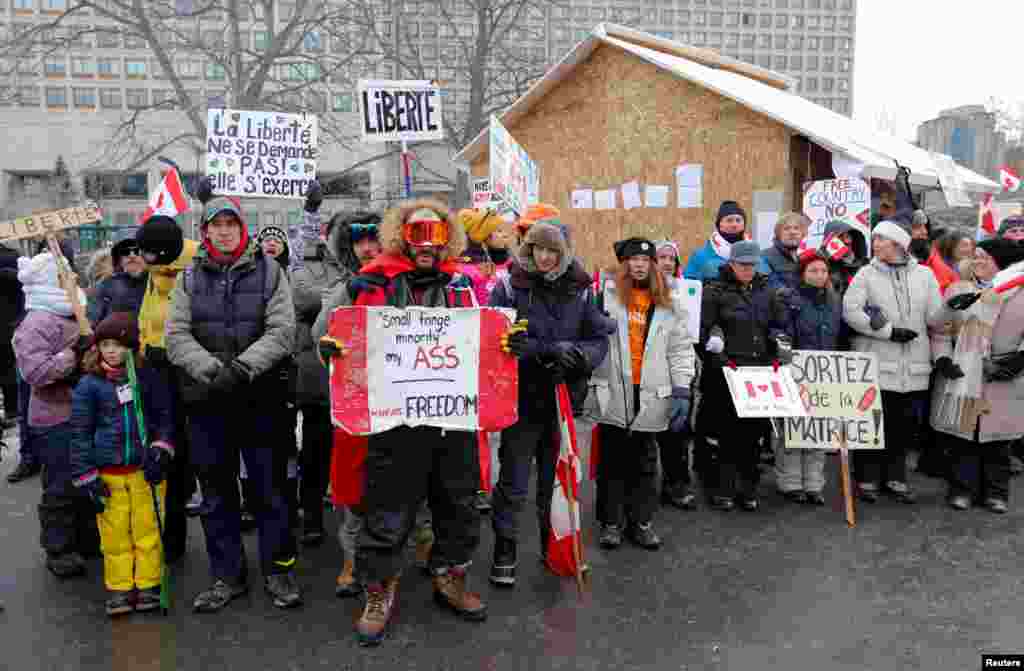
422, 367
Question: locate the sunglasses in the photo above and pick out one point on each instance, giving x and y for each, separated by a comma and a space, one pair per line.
132, 251
425, 233
357, 232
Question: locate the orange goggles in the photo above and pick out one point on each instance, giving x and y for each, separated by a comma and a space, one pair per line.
425, 233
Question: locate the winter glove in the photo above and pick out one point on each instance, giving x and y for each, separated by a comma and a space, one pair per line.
784, 350
1003, 367
157, 462
945, 367
204, 190
98, 493
523, 346
877, 317
716, 342
329, 348
230, 376
314, 196
901, 335
679, 411
516, 328
568, 357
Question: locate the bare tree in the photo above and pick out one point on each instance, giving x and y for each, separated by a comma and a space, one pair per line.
1009, 118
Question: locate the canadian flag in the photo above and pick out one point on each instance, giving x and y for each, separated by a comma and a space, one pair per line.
169, 199
986, 217
565, 544
1008, 178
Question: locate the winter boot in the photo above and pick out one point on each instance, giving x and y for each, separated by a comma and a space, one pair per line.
69, 565
220, 594
643, 535
347, 585
450, 592
997, 506
503, 568
814, 498
119, 603
867, 492
284, 589
424, 544
611, 536
23, 471
380, 604
147, 599
795, 496
960, 502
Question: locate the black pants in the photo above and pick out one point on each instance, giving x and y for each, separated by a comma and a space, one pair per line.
404, 466
67, 519
315, 463
738, 447
528, 439
180, 477
627, 476
674, 450
979, 470
902, 421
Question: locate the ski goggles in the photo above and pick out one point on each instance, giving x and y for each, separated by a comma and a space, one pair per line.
357, 232
425, 232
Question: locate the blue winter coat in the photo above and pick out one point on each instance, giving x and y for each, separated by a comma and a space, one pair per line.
703, 264
100, 424
118, 293
814, 318
780, 267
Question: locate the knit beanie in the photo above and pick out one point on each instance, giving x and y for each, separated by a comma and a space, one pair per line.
273, 233
890, 230
1004, 252
1013, 221
121, 249
120, 326
479, 224
161, 236
729, 208
809, 256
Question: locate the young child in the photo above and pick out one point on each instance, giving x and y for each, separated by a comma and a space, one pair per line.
120, 448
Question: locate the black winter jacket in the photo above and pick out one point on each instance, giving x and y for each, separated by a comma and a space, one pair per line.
118, 293
750, 318
814, 319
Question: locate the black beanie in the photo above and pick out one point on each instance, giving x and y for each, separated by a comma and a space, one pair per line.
1004, 252
727, 208
630, 247
161, 235
273, 233
120, 326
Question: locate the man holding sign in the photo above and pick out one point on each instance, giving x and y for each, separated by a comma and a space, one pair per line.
405, 465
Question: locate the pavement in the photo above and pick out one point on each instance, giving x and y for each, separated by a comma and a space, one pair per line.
787, 587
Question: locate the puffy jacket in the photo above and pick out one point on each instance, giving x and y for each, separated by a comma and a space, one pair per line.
229, 313
104, 432
557, 311
703, 264
473, 265
780, 267
751, 318
43, 349
118, 293
909, 298
157, 303
814, 318
668, 363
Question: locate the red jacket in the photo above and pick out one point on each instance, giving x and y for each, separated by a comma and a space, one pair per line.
943, 273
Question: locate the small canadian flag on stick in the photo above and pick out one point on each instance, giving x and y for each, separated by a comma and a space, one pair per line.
1009, 179
169, 199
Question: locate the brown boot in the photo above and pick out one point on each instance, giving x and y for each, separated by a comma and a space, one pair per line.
450, 592
347, 585
380, 603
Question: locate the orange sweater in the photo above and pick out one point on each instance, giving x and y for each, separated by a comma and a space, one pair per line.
639, 306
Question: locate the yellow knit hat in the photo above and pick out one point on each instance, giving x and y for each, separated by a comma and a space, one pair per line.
479, 224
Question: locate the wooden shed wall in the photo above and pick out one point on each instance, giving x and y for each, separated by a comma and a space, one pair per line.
616, 119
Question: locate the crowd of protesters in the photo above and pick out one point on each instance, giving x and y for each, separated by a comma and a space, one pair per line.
204, 353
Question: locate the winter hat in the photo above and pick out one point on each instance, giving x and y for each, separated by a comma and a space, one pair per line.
534, 213
1013, 221
1004, 252
668, 244
273, 233
890, 230
729, 208
810, 256
223, 204
160, 235
66, 248
120, 326
479, 224
39, 279
745, 251
121, 249
551, 236
631, 247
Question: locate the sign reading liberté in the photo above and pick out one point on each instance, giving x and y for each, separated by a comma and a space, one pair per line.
422, 367
515, 178
261, 154
397, 111
47, 223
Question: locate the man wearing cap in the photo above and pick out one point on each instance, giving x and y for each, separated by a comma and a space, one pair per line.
406, 465
741, 324
123, 291
230, 330
641, 389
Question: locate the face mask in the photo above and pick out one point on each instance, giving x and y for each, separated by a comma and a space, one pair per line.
920, 249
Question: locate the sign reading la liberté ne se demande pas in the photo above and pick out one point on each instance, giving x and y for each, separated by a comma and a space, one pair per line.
400, 110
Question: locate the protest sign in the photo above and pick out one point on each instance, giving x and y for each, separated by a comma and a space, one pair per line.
48, 223
762, 391
949, 179
397, 111
437, 367
840, 392
689, 293
261, 154
483, 196
846, 198
515, 179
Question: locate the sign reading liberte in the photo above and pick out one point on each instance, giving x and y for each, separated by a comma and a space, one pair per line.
46, 223
396, 111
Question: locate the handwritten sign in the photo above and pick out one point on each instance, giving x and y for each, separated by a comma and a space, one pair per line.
261, 154
46, 223
422, 367
483, 196
847, 199
840, 393
515, 179
949, 179
395, 111
761, 391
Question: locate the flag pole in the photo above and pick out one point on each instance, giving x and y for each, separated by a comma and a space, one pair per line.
565, 409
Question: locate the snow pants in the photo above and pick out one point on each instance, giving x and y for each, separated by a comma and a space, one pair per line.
129, 533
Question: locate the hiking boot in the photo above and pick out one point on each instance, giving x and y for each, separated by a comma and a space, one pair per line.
147, 599
284, 589
380, 603
748, 503
959, 502
900, 491
312, 537
997, 506
220, 594
644, 536
424, 545
722, 503
814, 498
678, 496
347, 585
503, 568
611, 536
23, 472
68, 565
867, 492
795, 496
450, 592
483, 502
119, 603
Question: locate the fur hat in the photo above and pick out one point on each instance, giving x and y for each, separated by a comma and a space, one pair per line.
120, 326
549, 235
890, 230
630, 247
161, 235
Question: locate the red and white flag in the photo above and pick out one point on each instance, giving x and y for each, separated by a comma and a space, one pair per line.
986, 217
1008, 178
169, 199
834, 247
565, 545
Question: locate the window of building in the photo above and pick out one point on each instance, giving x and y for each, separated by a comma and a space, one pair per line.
796, 62
813, 43
189, 69
842, 106
846, 5
812, 63
715, 40
844, 64
797, 22
262, 40
716, 20
109, 67
796, 42
28, 96
82, 67
813, 22
700, 38
782, 4
215, 72
286, 11
133, 41
136, 98
846, 23
813, 4
732, 19
779, 63
781, 20
23, 5
110, 98
764, 41
845, 44
700, 18
732, 40
828, 44
844, 85
781, 41
108, 39
84, 97
342, 102
135, 69
684, 16
55, 5
811, 84
764, 60
828, 64
748, 40
56, 96
55, 67
429, 29
827, 84
829, 23
766, 20
163, 98
429, 52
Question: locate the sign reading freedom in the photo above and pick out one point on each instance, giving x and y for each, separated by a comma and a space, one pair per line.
438, 367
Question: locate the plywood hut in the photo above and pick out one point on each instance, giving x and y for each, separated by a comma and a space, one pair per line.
627, 106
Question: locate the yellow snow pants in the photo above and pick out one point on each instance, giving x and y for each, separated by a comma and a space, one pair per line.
129, 535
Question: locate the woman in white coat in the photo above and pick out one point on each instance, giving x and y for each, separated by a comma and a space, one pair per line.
890, 305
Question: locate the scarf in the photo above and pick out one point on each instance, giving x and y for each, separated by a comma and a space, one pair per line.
227, 259
721, 246
112, 373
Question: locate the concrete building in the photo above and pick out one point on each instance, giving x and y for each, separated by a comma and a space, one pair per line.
969, 135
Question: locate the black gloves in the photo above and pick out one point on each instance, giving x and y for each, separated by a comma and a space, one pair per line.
945, 367
98, 494
784, 350
204, 190
963, 301
902, 335
568, 358
522, 345
156, 462
314, 196
1003, 367
230, 376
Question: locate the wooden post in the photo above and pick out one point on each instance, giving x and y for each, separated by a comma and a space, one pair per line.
69, 282
844, 476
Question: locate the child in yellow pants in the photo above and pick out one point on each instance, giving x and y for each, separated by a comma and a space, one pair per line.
120, 453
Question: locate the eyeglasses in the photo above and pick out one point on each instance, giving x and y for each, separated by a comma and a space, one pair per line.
425, 233
357, 232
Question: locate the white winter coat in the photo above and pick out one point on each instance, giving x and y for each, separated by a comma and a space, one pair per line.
909, 297
668, 363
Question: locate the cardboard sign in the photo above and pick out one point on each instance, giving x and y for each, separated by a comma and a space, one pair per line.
483, 196
395, 111
515, 179
840, 393
261, 154
437, 367
761, 391
46, 223
689, 293
846, 198
949, 178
